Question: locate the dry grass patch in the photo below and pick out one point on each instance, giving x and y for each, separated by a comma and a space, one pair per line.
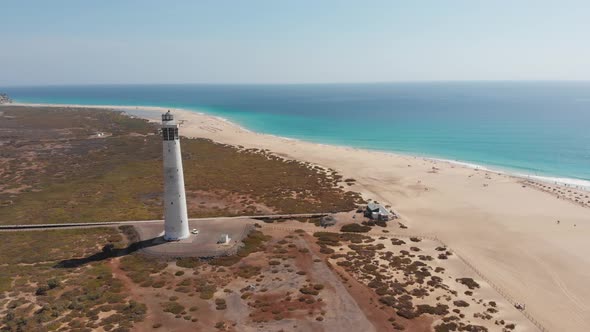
44, 295
89, 188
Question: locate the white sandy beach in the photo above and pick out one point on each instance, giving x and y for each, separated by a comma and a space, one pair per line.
507, 231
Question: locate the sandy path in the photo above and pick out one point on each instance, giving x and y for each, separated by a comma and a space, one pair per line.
509, 233
348, 316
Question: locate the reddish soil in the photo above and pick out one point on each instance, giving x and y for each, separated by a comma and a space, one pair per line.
153, 297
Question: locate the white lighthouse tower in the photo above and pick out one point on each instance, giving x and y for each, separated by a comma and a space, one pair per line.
175, 216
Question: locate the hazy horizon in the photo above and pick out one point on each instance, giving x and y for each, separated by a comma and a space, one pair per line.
291, 83
269, 42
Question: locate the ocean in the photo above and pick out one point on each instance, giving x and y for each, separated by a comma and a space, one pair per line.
526, 128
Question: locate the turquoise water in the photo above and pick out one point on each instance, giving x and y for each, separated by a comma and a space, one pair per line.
536, 128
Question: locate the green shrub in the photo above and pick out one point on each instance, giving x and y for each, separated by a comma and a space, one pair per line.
225, 260
355, 228
188, 262
469, 282
207, 291
248, 271
172, 307
5, 283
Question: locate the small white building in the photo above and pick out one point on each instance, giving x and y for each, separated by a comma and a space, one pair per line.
377, 212
224, 239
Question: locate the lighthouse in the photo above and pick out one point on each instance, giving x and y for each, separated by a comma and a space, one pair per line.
175, 215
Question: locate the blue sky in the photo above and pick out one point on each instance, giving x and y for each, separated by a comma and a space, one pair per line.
272, 41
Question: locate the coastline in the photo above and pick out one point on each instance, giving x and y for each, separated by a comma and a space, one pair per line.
144, 111
506, 228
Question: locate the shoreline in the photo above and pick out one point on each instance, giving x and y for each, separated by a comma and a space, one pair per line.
580, 184
505, 227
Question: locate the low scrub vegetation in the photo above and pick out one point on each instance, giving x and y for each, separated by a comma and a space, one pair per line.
355, 228
172, 307
90, 189
469, 282
140, 268
45, 295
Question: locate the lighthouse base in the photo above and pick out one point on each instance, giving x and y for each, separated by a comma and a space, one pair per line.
175, 238
202, 244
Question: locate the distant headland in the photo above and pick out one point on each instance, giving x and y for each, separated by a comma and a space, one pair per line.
5, 99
